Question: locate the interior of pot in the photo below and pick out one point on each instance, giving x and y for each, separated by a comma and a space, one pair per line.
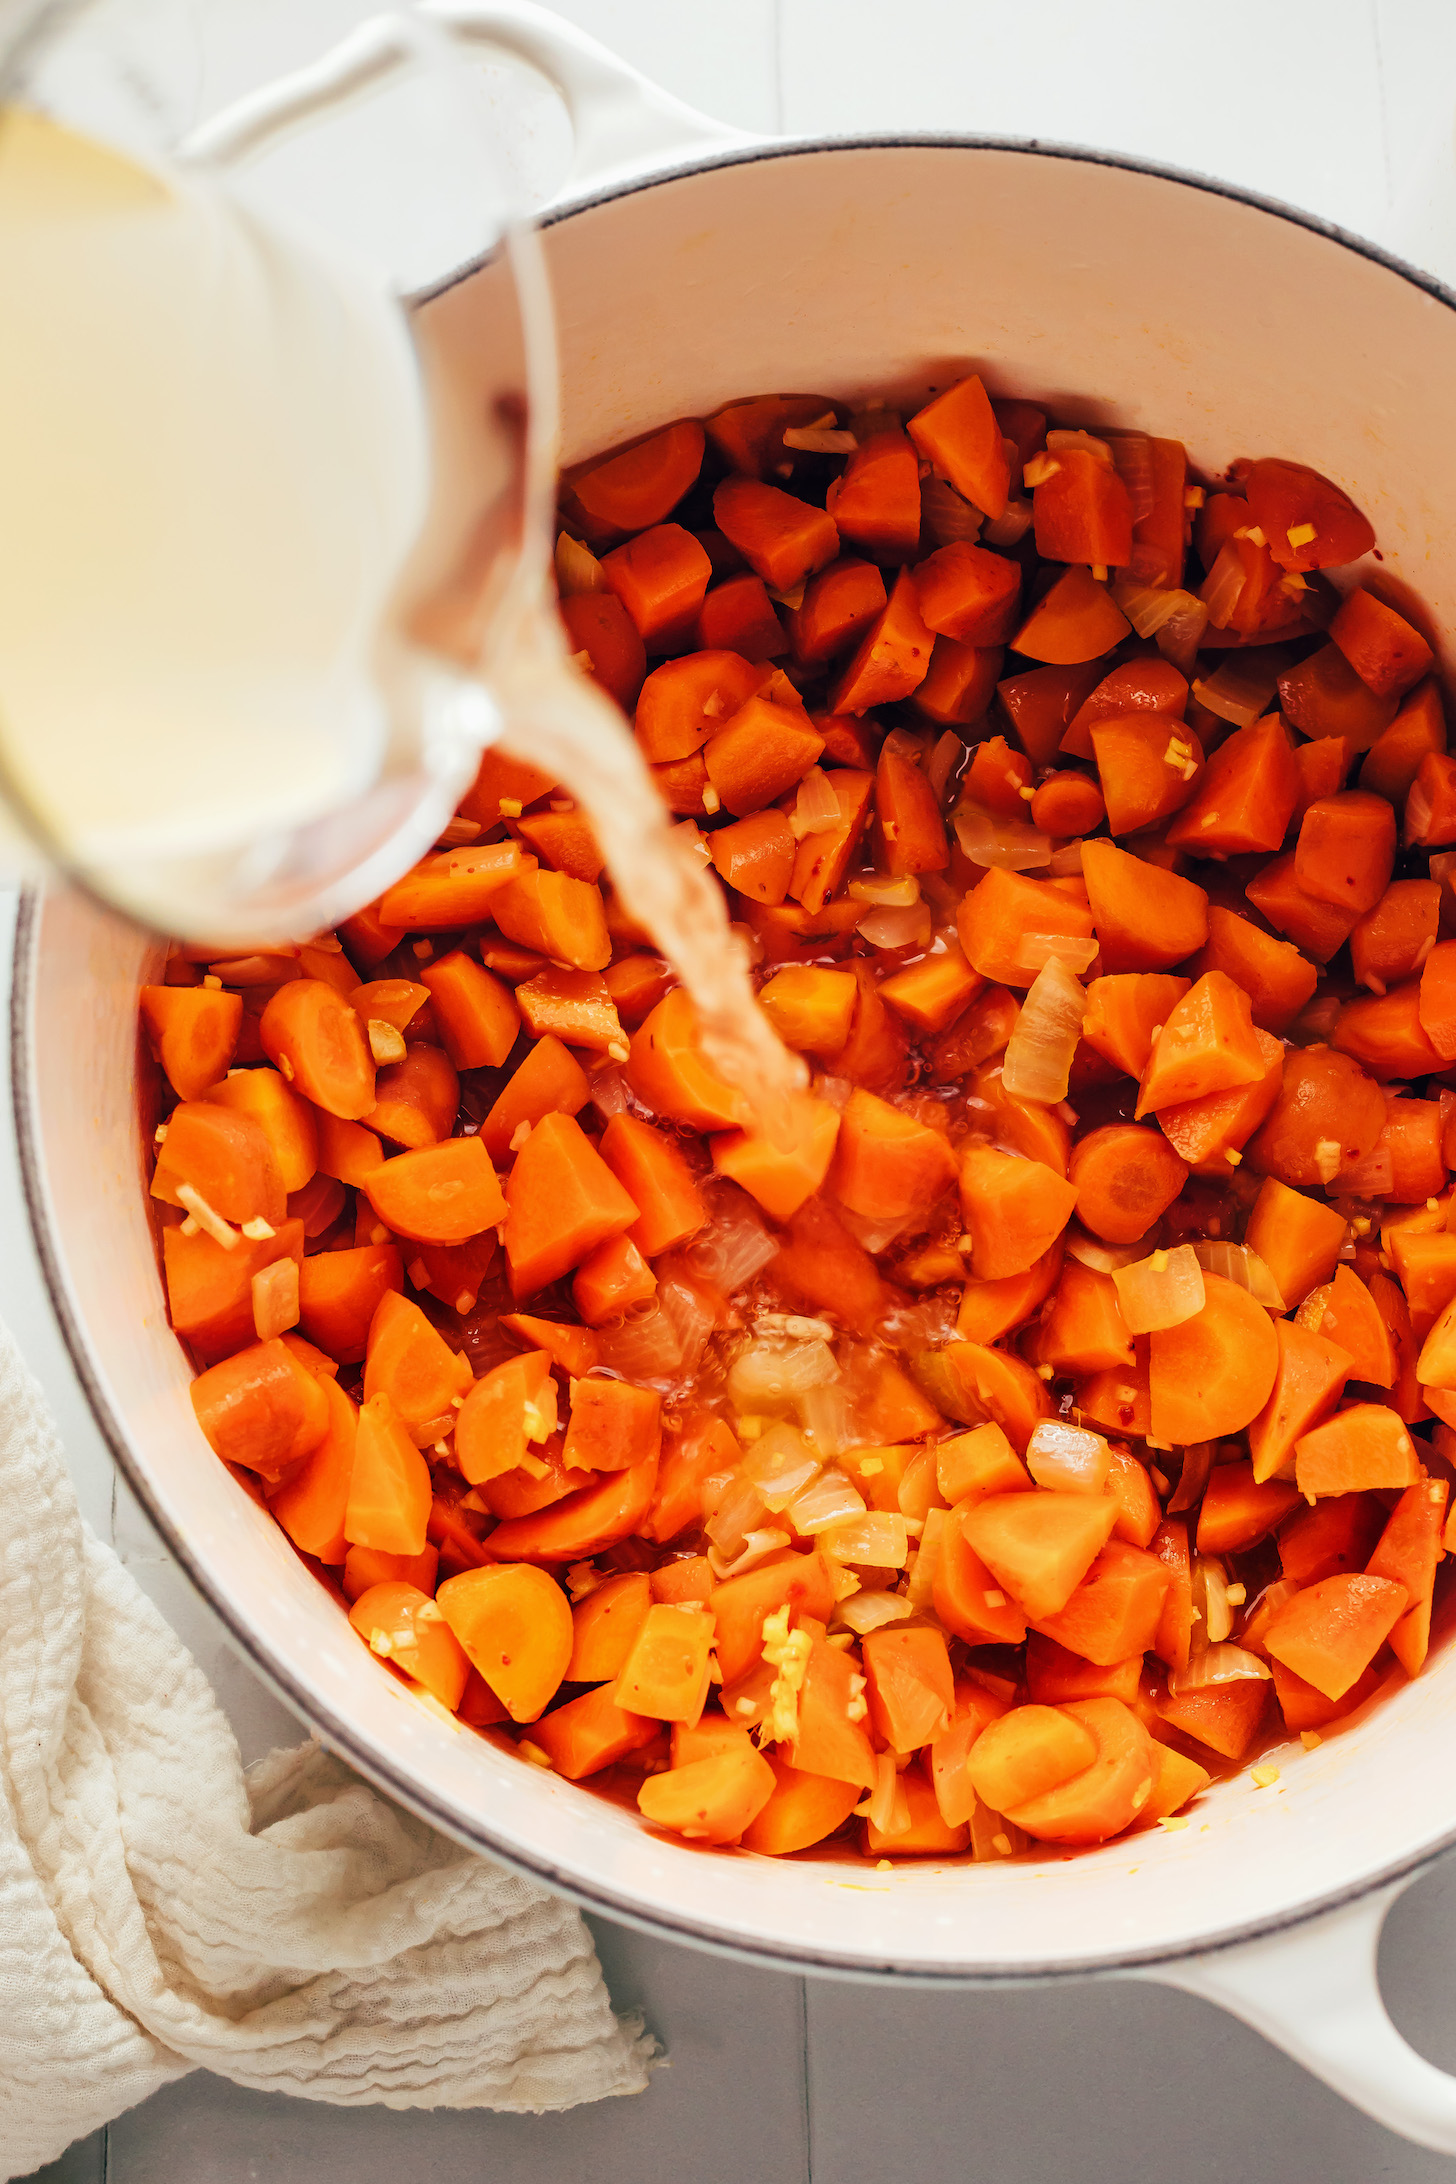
1118, 297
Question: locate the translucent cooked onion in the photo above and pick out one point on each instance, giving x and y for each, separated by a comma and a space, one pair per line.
741, 1511
888, 1809
691, 1317
881, 892
1132, 453
829, 1500
1197, 1465
1066, 863
1008, 529
921, 1587
780, 1466
909, 928
867, 1611
1069, 440
1210, 1597
1372, 1177
774, 1372
1218, 1664
1006, 843
609, 1091
819, 440
825, 1414
946, 516
577, 568
1160, 1291
644, 1346
1067, 1459
1241, 689
1223, 587
816, 807
1236, 1263
1039, 1053
1035, 950
735, 1245
1147, 606
1103, 1258
757, 1547
876, 1538
943, 761
1181, 635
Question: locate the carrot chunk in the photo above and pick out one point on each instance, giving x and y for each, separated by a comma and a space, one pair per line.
959, 436
661, 577
453, 887
1145, 919
875, 501
389, 1487
411, 1363
1208, 1044
893, 657
1123, 1178
968, 593
1212, 1375
261, 1408
1246, 796
1313, 1369
318, 1044
515, 1626
1385, 650
839, 606
1330, 1633
1077, 620
194, 1032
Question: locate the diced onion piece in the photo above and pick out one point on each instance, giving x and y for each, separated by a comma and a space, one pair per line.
943, 760
1218, 1665
771, 1373
819, 440
644, 1346
275, 1300
1240, 690
1103, 1258
884, 893
1181, 635
1442, 864
828, 1501
1066, 863
1009, 529
946, 516
927, 1562
1067, 1459
827, 1417
1160, 1291
1147, 606
207, 1218
734, 1246
816, 807
741, 1511
609, 1091
1132, 454
888, 1810
780, 1466
690, 1315
1210, 1597
993, 1836
1236, 1263
1039, 1053
1223, 587
1008, 843
757, 1547
1065, 440
907, 928
1372, 1177
877, 1538
867, 1611
1035, 950
577, 568
1193, 1478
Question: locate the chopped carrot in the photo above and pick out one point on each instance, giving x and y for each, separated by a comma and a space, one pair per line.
415, 1100
223, 1155
911, 1689
669, 1074
838, 607
959, 684
261, 1408
410, 1362
959, 436
711, 1800
1077, 620
1122, 1179
1082, 510
1387, 653
782, 539
562, 1200
661, 577
311, 1505
442, 1194
666, 1670
875, 502
1212, 1375
994, 918
1115, 1612
210, 1288
1290, 497
909, 829
687, 700
738, 616
1394, 759
1040, 1546
548, 1081
477, 1016
389, 1487
968, 593
606, 645
1246, 796
1145, 919
893, 656
515, 1626
194, 1033
644, 483
1313, 1369
1346, 850
1207, 1045
318, 1044
1330, 1633
822, 860
339, 1293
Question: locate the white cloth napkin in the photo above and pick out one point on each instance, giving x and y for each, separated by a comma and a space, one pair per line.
290, 1929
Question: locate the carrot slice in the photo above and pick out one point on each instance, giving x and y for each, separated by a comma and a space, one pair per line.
411, 1363
804, 1809
318, 1044
1208, 1044
194, 1033
476, 1013
643, 484
590, 1733
1077, 620
910, 1686
1145, 919
389, 1487
442, 1194
710, 1800
1109, 1794
261, 1408
1123, 1179
224, 1156
1330, 1633
562, 1200
1212, 1375
1312, 1371
399, 1623
1363, 1447
515, 1626
893, 657
415, 1100
339, 1293
311, 1505
958, 434
667, 1071
582, 1524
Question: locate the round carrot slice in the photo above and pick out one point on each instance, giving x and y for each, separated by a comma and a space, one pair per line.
516, 1628
1107, 1795
1214, 1373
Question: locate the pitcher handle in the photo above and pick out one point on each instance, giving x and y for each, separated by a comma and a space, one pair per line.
621, 122
1314, 1991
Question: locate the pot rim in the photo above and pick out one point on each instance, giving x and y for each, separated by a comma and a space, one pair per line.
696, 1932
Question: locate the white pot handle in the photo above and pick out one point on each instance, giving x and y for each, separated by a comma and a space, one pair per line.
621, 122
1315, 1992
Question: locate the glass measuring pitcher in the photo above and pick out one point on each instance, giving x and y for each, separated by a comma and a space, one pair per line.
256, 538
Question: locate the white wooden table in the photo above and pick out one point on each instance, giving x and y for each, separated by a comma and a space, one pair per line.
1343, 107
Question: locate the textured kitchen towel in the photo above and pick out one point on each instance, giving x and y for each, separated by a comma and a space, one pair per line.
160, 1911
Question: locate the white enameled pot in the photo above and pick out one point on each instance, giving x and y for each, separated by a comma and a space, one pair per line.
703, 267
